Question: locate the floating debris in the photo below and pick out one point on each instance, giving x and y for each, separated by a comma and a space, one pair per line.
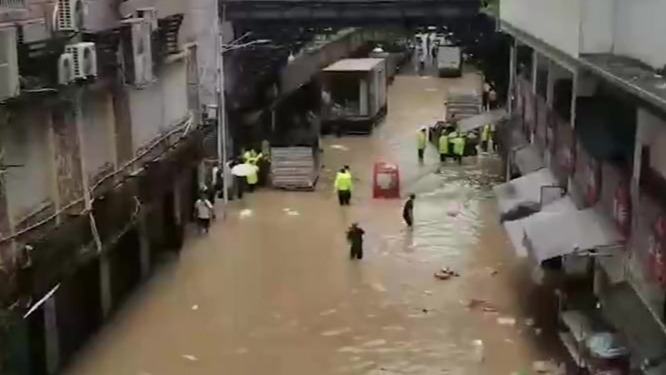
506, 321
378, 287
190, 357
377, 342
479, 304
328, 312
336, 332
478, 351
445, 274
246, 213
340, 147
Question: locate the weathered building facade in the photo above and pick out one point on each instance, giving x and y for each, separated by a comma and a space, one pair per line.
99, 135
588, 104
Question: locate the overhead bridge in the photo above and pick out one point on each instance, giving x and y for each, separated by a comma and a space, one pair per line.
347, 12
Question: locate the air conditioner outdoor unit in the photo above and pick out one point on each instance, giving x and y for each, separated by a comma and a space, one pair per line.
85, 59
149, 15
138, 52
9, 74
70, 15
65, 68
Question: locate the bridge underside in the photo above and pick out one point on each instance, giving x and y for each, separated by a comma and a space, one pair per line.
348, 13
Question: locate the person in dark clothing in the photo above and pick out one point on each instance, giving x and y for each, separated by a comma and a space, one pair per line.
355, 238
408, 211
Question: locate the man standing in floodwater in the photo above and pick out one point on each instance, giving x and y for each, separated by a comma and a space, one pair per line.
408, 211
343, 186
355, 238
421, 139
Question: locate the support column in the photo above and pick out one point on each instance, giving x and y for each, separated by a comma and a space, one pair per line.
69, 175
123, 125
7, 249
144, 244
572, 120
535, 65
51, 336
512, 75
105, 272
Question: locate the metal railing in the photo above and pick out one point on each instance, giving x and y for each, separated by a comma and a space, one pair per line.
12, 4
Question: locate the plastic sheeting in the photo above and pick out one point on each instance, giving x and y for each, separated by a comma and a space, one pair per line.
554, 235
516, 229
523, 190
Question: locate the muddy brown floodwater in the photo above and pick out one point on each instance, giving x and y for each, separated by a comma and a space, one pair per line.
271, 290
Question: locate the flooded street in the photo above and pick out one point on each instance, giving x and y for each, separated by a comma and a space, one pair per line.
271, 290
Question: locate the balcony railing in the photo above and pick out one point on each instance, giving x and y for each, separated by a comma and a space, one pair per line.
12, 4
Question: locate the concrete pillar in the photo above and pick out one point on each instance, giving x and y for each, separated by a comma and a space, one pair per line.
51, 336
572, 117
7, 248
535, 64
512, 75
66, 153
177, 204
105, 284
123, 125
144, 244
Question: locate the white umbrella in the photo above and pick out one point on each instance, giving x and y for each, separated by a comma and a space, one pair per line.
243, 170
491, 117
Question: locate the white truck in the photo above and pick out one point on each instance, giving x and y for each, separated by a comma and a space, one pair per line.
449, 61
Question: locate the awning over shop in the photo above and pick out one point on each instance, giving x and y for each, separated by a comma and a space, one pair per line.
528, 159
525, 190
552, 235
630, 316
516, 229
486, 118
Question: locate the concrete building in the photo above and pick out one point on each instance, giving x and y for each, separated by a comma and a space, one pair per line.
99, 136
588, 105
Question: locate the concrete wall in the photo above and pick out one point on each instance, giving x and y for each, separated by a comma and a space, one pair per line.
631, 28
159, 107
639, 31
202, 18
101, 14
554, 22
98, 133
26, 143
597, 22
652, 132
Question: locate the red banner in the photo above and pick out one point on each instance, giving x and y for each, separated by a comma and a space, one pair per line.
657, 263
622, 208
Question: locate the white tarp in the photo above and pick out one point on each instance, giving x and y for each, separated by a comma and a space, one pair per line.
485, 118
565, 233
528, 159
522, 190
516, 229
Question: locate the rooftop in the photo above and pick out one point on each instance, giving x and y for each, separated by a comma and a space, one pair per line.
633, 76
353, 65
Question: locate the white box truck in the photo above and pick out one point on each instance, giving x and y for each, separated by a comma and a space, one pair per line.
449, 61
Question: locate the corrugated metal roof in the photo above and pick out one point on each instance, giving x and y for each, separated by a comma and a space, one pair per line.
354, 65
633, 76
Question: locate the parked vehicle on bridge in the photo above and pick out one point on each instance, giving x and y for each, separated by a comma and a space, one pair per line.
449, 61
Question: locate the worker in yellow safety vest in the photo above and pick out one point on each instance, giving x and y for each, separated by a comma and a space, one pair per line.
458, 143
443, 146
421, 143
252, 158
486, 136
343, 186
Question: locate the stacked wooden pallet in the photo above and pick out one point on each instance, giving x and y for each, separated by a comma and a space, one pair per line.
294, 168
